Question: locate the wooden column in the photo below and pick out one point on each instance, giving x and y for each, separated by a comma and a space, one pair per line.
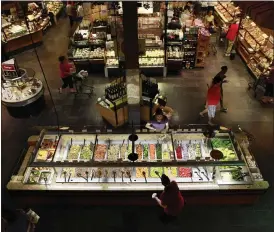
130, 50
130, 24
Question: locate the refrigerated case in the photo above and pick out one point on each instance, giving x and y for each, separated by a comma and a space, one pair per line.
95, 169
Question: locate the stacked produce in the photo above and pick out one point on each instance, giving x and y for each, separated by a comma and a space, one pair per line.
226, 147
86, 153
110, 53
145, 152
98, 53
139, 151
113, 152
82, 53
112, 62
74, 152
139, 172
175, 52
152, 150
185, 172
154, 53
151, 61
170, 171
154, 169
100, 152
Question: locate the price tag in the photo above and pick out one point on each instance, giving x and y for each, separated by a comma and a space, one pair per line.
253, 24
265, 36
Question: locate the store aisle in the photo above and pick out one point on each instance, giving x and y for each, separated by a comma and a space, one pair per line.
186, 94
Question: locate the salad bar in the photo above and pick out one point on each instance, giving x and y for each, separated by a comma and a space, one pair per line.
79, 164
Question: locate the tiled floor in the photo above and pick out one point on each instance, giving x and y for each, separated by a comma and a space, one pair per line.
186, 94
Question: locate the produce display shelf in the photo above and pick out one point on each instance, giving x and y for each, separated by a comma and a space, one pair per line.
174, 59
155, 66
112, 66
99, 27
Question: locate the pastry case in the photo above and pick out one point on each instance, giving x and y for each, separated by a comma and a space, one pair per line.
255, 47
226, 12
95, 168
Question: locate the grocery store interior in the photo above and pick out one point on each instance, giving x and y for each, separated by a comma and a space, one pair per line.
127, 56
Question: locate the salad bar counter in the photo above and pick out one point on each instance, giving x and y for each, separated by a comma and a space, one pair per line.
95, 168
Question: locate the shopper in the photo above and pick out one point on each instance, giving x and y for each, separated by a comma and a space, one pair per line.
171, 200
204, 8
69, 13
161, 104
174, 24
65, 73
231, 36
159, 122
209, 18
188, 7
80, 12
213, 99
222, 75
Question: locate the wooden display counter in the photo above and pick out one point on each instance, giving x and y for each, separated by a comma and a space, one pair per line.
24, 41
115, 118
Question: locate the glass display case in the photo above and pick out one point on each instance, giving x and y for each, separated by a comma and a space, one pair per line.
100, 162
255, 47
21, 91
226, 12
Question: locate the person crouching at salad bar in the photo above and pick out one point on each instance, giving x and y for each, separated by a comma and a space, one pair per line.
171, 200
159, 122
